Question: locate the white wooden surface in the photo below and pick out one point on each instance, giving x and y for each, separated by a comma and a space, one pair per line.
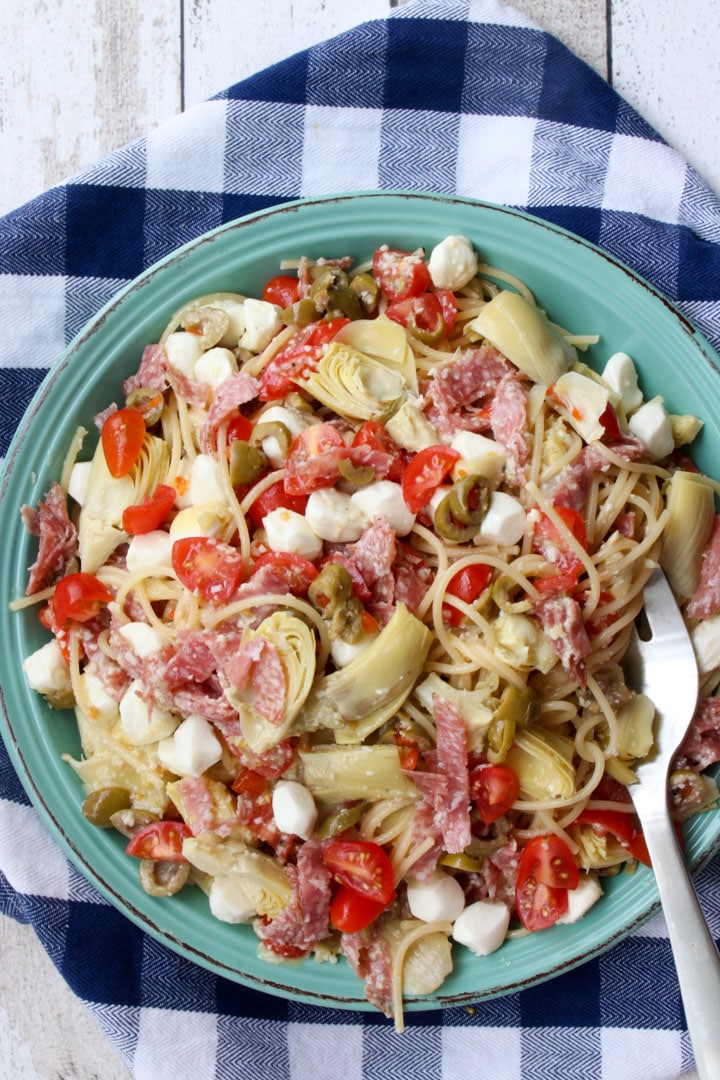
79, 78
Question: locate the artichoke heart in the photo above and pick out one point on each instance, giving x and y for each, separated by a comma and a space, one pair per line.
100, 526
295, 644
543, 763
691, 512
522, 333
428, 960
384, 340
361, 696
263, 878
356, 386
340, 774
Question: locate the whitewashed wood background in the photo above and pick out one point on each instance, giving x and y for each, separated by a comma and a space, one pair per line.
79, 78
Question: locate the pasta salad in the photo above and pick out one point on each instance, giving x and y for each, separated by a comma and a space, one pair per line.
340, 600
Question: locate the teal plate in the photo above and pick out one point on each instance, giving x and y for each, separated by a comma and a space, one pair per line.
583, 289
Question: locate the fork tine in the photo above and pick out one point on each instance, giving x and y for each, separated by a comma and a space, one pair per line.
663, 666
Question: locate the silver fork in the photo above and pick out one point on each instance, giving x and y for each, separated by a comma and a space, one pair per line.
662, 665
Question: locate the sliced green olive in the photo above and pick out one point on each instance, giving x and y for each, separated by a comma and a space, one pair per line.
148, 401
273, 429
469, 499
326, 276
340, 819
100, 805
160, 878
346, 622
500, 736
342, 301
331, 588
367, 291
503, 591
462, 862
247, 463
450, 529
520, 706
129, 821
209, 323
356, 474
301, 312
687, 789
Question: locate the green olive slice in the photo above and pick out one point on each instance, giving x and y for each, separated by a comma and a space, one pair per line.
247, 463
100, 805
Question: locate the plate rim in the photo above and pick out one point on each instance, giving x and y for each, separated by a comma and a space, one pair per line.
24, 430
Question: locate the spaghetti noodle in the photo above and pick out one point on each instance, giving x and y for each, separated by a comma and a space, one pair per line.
408, 601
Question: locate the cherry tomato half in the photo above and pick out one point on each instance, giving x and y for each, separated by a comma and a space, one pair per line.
493, 788
425, 473
161, 840
546, 871
373, 434
350, 911
468, 584
620, 825
313, 459
275, 497
363, 866
122, 437
400, 273
422, 315
151, 512
283, 290
77, 598
207, 566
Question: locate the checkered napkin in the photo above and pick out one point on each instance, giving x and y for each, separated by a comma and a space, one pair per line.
456, 96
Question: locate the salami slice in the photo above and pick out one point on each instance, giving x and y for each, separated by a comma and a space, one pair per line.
235, 391
563, 624
57, 539
706, 601
701, 746
256, 665
453, 765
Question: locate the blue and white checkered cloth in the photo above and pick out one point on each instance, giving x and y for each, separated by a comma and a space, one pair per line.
455, 96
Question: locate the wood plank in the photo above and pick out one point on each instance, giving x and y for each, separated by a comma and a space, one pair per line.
77, 81
665, 62
225, 43
579, 24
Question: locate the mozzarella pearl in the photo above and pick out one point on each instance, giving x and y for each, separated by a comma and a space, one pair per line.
229, 901
142, 723
439, 899
294, 809
482, 927
621, 376
142, 638
287, 530
333, 516
385, 499
79, 476
196, 747
582, 898
651, 425
46, 671
215, 367
262, 322
452, 263
183, 352
504, 522
150, 552
206, 484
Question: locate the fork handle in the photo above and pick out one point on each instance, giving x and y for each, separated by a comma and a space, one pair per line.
696, 957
